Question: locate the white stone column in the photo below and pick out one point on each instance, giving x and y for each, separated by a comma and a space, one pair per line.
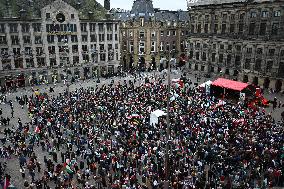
89, 42
33, 45
105, 42
57, 56
118, 36
70, 50
22, 45
79, 36
9, 42
44, 42
113, 42
1, 66
98, 43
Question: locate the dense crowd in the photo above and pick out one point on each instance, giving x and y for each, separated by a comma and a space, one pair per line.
101, 137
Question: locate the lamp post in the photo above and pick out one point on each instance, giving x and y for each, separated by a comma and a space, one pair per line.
167, 166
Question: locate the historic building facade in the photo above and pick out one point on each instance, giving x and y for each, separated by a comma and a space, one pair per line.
149, 35
56, 42
238, 39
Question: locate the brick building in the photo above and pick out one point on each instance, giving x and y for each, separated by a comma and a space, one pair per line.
53, 40
238, 39
148, 35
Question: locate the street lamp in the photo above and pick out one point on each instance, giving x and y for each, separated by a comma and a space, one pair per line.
167, 170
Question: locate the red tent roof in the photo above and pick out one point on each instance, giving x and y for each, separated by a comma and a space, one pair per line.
230, 84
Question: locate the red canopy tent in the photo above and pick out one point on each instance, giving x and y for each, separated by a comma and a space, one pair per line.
230, 84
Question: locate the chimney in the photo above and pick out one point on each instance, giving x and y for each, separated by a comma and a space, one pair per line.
107, 4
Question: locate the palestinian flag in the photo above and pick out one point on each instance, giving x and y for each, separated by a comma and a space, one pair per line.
67, 168
6, 182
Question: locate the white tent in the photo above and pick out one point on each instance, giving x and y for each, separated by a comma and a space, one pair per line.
155, 115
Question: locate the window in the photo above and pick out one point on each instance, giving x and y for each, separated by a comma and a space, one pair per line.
221, 58
153, 46
269, 65
282, 53
36, 27
141, 34
259, 50
39, 51
249, 50
142, 22
206, 28
242, 16
25, 28
131, 46
142, 47
109, 37
74, 38
13, 28
174, 33
115, 37
232, 17
101, 27
232, 28
230, 47
213, 57
241, 28
37, 39
167, 46
130, 33
264, 14
83, 27
192, 28
2, 28
168, 33
174, 45
30, 62
197, 55
262, 29
215, 28
253, 14
84, 48
109, 27
74, 48
28, 51
47, 15
271, 52
15, 39
162, 33
3, 40
225, 16
92, 27
224, 28
72, 16
153, 33
247, 63
257, 65
17, 51
277, 13
101, 37
199, 28
251, 28
229, 59
204, 57
50, 38
238, 61
93, 38
222, 46
115, 27
51, 49
275, 28
238, 47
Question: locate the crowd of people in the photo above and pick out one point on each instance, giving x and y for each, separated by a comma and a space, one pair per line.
101, 137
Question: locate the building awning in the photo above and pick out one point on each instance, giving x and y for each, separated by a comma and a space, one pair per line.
230, 84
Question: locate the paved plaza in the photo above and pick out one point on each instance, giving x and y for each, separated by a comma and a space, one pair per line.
13, 167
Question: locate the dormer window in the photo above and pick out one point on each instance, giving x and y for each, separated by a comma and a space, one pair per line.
47, 16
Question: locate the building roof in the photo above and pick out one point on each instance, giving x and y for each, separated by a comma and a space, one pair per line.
192, 3
32, 8
144, 8
230, 84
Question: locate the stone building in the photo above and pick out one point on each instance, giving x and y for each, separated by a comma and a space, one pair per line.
52, 40
238, 39
148, 35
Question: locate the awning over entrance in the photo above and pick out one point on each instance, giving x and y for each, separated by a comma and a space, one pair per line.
230, 84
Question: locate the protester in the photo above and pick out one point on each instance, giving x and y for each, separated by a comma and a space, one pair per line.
102, 137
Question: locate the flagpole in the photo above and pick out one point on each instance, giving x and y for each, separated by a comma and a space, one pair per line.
167, 171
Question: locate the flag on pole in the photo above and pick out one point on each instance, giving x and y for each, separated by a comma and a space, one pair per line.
67, 168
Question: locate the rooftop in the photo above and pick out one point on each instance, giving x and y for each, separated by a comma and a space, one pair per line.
192, 3
32, 8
